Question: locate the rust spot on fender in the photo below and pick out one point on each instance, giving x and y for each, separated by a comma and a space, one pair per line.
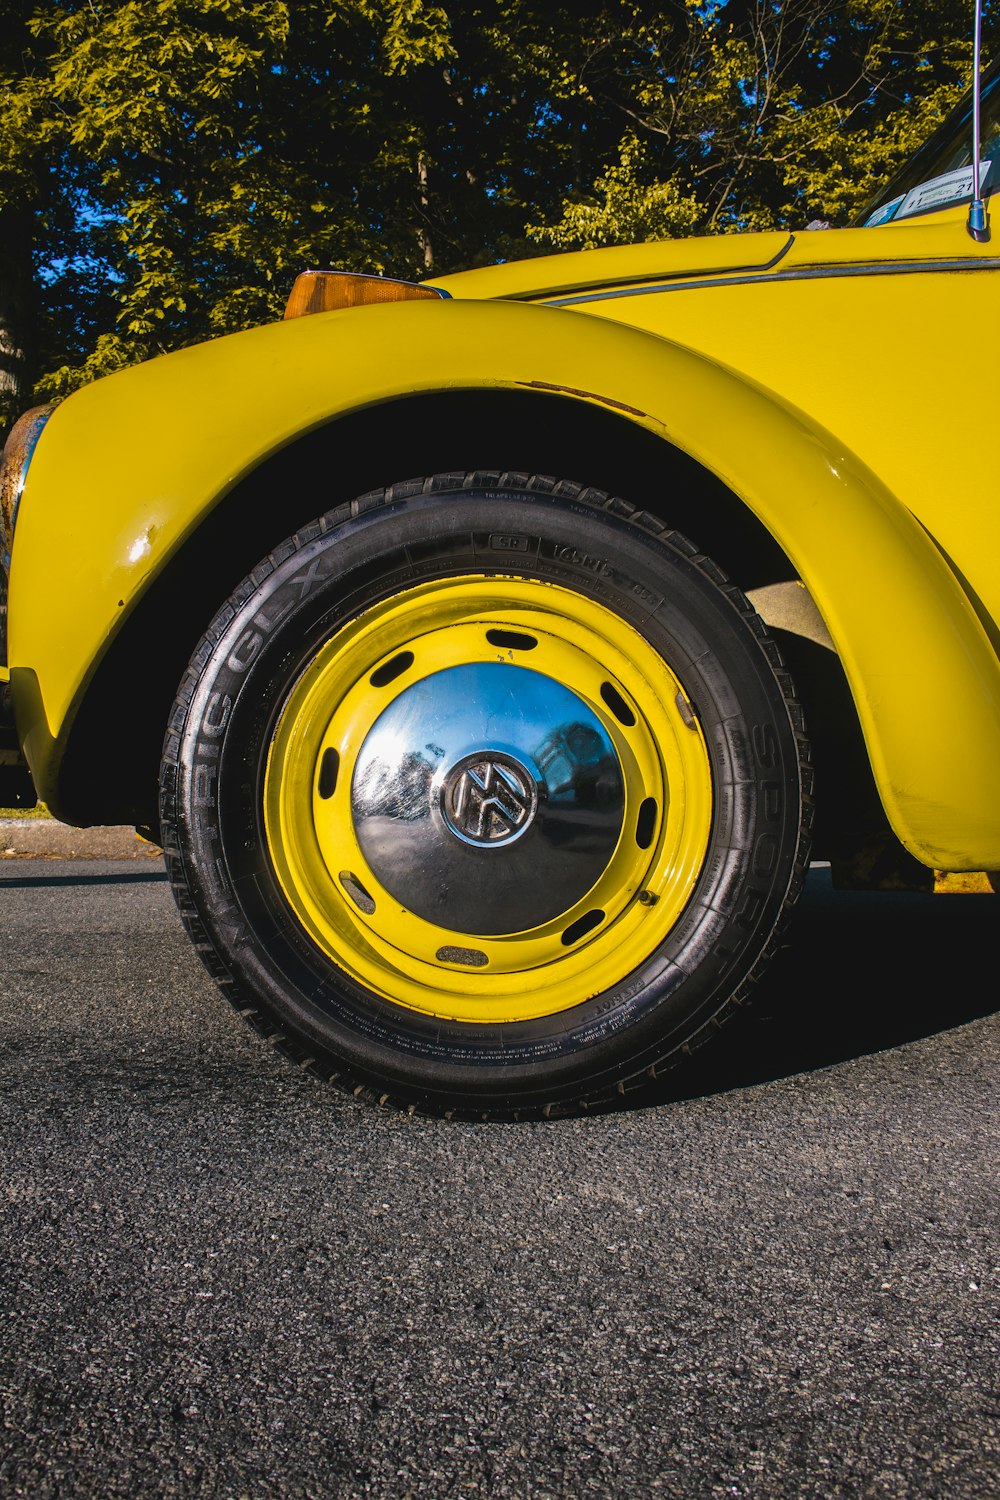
571, 390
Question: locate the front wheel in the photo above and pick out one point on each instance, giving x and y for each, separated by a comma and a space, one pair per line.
485, 794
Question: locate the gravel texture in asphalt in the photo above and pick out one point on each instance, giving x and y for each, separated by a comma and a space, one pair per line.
221, 1278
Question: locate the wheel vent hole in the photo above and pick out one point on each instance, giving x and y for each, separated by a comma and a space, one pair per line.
390, 670
645, 823
352, 885
578, 929
511, 640
470, 958
329, 769
617, 704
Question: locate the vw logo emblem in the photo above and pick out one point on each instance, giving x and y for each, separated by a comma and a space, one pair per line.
489, 799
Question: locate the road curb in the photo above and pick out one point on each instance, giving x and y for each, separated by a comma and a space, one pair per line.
44, 838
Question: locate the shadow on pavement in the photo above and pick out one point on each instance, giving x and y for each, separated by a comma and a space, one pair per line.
130, 877
857, 973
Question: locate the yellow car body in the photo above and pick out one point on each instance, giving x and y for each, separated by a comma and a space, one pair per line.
483, 788
830, 380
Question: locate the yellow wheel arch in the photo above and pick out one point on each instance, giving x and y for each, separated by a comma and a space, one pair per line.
129, 467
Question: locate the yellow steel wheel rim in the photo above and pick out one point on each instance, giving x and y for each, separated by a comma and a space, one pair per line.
461, 974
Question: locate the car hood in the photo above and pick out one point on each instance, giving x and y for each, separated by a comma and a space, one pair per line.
553, 275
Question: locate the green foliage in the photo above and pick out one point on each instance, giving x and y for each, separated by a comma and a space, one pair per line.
168, 166
769, 113
629, 204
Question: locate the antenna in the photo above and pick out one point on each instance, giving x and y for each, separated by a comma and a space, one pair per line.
977, 223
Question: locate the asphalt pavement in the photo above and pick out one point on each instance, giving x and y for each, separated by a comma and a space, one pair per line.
221, 1278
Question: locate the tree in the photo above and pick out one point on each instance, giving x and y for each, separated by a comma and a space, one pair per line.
181, 160
19, 191
768, 114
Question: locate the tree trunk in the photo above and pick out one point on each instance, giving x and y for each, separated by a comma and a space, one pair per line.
423, 233
17, 314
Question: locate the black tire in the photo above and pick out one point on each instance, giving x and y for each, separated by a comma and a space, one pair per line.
701, 841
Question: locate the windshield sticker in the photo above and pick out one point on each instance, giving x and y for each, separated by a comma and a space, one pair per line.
884, 214
951, 188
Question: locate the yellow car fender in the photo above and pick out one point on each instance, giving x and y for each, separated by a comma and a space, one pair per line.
98, 523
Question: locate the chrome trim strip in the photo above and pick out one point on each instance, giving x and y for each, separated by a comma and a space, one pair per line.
804, 273
544, 294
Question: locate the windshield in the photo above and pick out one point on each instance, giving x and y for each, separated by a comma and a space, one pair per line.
940, 173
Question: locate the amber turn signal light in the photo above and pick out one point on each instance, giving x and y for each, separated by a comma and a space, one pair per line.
326, 291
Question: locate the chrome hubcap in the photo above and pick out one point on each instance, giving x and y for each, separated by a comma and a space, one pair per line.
488, 798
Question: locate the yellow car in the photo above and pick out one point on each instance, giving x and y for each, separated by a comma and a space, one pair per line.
459, 642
